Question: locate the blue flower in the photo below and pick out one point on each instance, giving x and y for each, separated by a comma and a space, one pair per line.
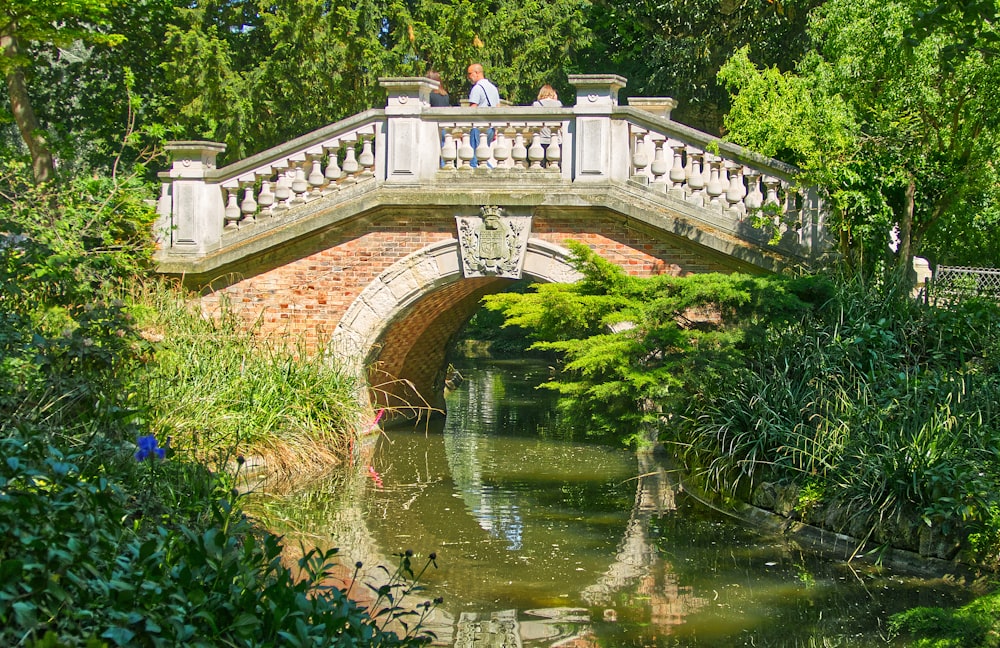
149, 448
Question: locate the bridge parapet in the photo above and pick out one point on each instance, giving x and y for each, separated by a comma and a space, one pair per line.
408, 144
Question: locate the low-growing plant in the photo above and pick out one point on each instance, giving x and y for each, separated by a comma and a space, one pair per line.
971, 626
218, 389
878, 399
84, 559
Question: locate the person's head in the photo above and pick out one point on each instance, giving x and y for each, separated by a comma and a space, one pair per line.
475, 73
434, 75
547, 92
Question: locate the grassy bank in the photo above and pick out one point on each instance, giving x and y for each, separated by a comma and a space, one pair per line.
121, 412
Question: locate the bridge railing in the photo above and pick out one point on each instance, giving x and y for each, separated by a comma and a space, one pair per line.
204, 209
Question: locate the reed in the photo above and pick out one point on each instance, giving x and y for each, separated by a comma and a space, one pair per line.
218, 389
883, 405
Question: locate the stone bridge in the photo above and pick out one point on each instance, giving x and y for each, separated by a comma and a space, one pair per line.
375, 237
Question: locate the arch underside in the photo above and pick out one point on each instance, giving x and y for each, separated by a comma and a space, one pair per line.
403, 322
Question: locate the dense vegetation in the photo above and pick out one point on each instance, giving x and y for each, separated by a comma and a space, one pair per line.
120, 414
876, 412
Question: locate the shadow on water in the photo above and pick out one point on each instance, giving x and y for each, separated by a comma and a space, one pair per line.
545, 540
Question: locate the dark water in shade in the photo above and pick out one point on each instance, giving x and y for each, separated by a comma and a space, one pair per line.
542, 540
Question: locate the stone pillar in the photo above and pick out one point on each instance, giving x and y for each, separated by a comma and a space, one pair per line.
413, 147
659, 106
602, 146
191, 211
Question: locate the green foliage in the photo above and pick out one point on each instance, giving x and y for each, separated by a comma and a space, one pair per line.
882, 403
101, 545
218, 388
100, 102
487, 326
896, 129
65, 341
971, 626
675, 49
196, 574
255, 74
631, 344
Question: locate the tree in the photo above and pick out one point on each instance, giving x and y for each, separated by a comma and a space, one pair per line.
633, 347
47, 21
675, 49
254, 73
915, 132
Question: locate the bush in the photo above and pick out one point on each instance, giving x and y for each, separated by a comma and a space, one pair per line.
886, 403
156, 556
106, 538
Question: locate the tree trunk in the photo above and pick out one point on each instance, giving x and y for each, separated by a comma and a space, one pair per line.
42, 164
905, 261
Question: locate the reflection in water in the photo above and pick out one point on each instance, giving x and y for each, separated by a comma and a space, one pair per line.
545, 541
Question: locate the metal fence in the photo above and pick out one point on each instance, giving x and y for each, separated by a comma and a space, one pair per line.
952, 283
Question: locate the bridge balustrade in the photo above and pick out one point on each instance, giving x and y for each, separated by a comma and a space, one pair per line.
409, 145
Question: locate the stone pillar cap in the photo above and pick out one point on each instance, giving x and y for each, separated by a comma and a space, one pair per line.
593, 90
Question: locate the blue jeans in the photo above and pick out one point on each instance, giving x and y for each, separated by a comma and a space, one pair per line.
474, 142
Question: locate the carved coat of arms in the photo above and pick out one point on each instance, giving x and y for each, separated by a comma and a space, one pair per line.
493, 244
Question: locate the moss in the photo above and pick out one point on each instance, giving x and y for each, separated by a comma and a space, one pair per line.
976, 625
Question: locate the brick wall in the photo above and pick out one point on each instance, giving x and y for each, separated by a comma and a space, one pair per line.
300, 291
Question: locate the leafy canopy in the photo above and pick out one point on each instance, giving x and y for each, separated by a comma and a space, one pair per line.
901, 131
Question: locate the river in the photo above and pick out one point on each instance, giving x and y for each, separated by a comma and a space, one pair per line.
544, 539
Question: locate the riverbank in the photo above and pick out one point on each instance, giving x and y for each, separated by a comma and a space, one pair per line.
123, 405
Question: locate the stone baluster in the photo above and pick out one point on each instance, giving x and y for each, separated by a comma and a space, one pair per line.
282, 190
736, 190
299, 183
232, 213
553, 155
792, 214
659, 166
677, 174
316, 178
520, 152
772, 184
755, 198
449, 152
333, 172
535, 152
483, 152
367, 158
465, 151
248, 206
266, 198
350, 165
714, 187
502, 149
695, 177
640, 157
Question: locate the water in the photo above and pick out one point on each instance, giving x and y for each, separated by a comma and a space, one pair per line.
545, 540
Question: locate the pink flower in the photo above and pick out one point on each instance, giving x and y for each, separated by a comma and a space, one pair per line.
377, 478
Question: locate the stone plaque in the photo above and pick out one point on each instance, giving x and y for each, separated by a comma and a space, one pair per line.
493, 244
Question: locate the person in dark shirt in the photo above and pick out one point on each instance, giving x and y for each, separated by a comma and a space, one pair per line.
439, 96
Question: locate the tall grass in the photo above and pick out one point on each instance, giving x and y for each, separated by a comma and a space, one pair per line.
218, 389
885, 406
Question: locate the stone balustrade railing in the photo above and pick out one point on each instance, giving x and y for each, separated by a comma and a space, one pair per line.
204, 209
728, 180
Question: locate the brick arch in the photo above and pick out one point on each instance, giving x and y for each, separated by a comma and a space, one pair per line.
400, 326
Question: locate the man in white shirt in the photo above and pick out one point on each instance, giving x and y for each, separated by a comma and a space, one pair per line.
483, 94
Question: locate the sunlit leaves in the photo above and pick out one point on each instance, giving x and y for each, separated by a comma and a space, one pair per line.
874, 118
630, 345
